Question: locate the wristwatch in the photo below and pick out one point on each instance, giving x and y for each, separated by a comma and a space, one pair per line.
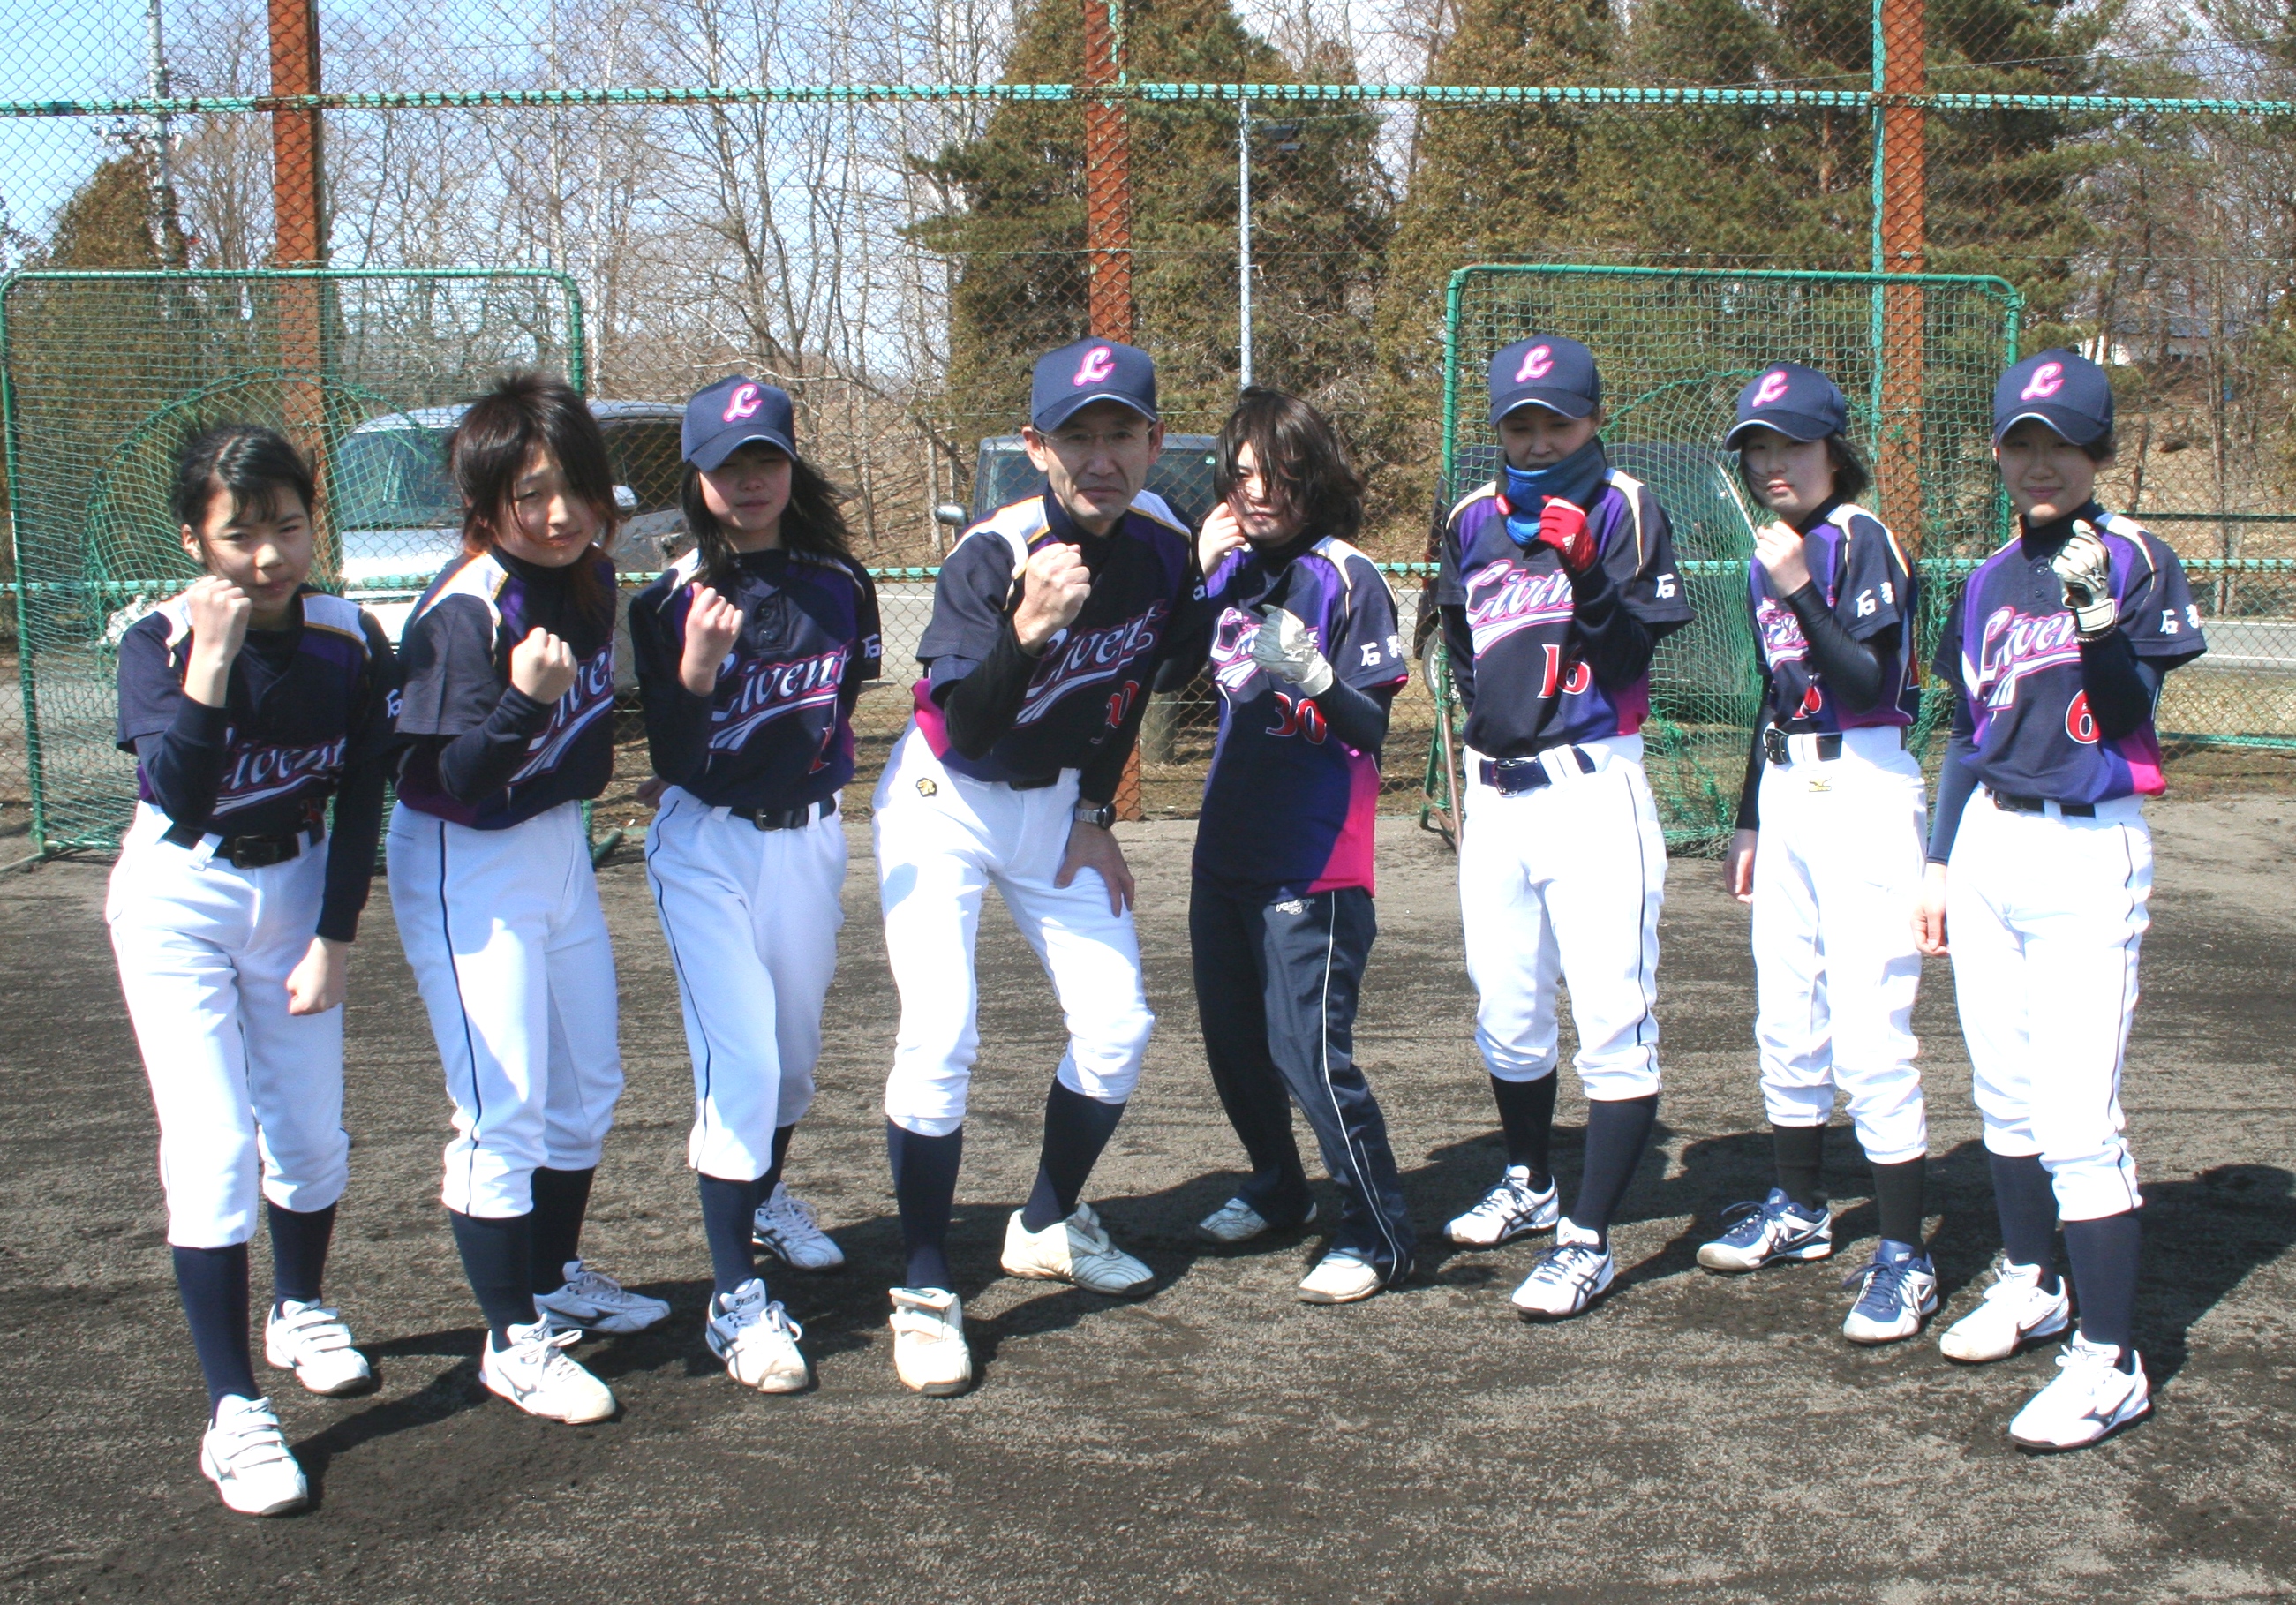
1102, 815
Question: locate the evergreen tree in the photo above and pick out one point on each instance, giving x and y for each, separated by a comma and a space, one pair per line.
107, 223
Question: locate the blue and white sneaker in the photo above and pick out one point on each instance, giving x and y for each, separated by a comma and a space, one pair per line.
1897, 1292
1754, 1234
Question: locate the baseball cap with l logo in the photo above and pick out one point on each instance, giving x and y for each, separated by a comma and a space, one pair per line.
1546, 371
1067, 380
2062, 389
730, 415
1799, 403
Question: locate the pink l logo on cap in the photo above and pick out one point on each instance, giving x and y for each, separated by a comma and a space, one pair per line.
746, 401
2047, 379
1098, 363
1537, 362
1773, 388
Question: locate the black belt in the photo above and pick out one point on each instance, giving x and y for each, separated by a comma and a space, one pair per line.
1513, 776
2040, 805
1034, 785
1828, 747
785, 819
261, 852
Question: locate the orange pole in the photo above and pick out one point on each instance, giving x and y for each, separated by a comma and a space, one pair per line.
299, 226
1904, 228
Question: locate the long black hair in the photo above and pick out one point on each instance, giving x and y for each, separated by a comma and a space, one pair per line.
250, 463
813, 522
1295, 448
489, 450
1850, 476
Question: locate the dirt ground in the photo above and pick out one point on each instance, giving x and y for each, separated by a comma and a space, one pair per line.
1693, 1438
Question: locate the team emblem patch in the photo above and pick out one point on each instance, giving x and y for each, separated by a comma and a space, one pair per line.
928, 787
1817, 785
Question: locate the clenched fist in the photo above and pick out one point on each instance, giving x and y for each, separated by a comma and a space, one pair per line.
1778, 548
542, 667
1563, 525
1057, 584
219, 612
712, 625
2084, 568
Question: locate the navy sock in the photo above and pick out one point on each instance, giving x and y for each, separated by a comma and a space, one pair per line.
1899, 1200
1527, 1122
2104, 1253
496, 1257
773, 1179
212, 1283
1800, 1154
1618, 1131
1075, 1129
728, 1209
298, 1251
925, 1185
2027, 1202
561, 1197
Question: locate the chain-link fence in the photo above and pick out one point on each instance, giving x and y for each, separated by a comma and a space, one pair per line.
888, 209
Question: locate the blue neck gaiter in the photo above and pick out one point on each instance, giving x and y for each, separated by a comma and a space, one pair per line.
1576, 479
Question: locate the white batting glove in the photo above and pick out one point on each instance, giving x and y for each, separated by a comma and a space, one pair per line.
2085, 568
1285, 647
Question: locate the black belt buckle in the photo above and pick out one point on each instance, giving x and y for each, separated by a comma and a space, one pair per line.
1033, 785
787, 819
1774, 744
259, 852
1513, 776
2040, 805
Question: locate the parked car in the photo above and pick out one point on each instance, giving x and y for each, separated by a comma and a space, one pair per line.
1002, 474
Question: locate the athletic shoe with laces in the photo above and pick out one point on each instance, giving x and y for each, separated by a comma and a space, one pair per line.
1568, 1277
2091, 1398
757, 1339
2017, 1310
1076, 1250
1754, 1234
1897, 1291
785, 1227
313, 1342
929, 1353
1342, 1276
536, 1375
597, 1303
1511, 1209
246, 1456
1236, 1221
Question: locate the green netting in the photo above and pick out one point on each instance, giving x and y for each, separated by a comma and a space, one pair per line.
1675, 347
107, 373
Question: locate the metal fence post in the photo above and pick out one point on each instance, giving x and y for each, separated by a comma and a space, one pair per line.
1901, 231
299, 237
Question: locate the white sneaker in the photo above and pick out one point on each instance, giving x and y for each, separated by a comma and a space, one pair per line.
313, 1342
2091, 1398
1755, 1235
1568, 1277
1342, 1276
599, 1304
1236, 1221
536, 1375
246, 1456
785, 1227
757, 1339
1076, 1250
2016, 1312
1507, 1211
1897, 1291
929, 1348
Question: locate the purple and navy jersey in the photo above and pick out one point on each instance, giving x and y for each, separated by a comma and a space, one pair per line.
1533, 687
2009, 649
777, 731
1091, 674
297, 717
457, 650
1862, 573
1288, 804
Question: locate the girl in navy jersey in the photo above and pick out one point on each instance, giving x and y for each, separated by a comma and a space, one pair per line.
2040, 868
250, 702
1306, 653
508, 717
751, 650
1828, 850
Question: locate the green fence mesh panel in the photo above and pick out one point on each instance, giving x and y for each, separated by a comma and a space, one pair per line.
107, 374
1675, 347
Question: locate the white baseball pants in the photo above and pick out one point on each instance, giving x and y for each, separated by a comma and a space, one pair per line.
751, 917
249, 1097
942, 841
509, 949
1837, 873
2044, 916
1565, 883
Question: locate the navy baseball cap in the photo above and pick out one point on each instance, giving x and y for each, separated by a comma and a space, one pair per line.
2062, 389
730, 415
1799, 403
1074, 377
1546, 371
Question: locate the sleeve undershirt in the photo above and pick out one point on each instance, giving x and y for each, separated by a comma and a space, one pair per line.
1615, 644
479, 763
1851, 668
184, 764
1357, 717
1459, 653
351, 848
2123, 687
979, 709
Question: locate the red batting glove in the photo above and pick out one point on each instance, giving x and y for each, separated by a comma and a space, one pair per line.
1563, 525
